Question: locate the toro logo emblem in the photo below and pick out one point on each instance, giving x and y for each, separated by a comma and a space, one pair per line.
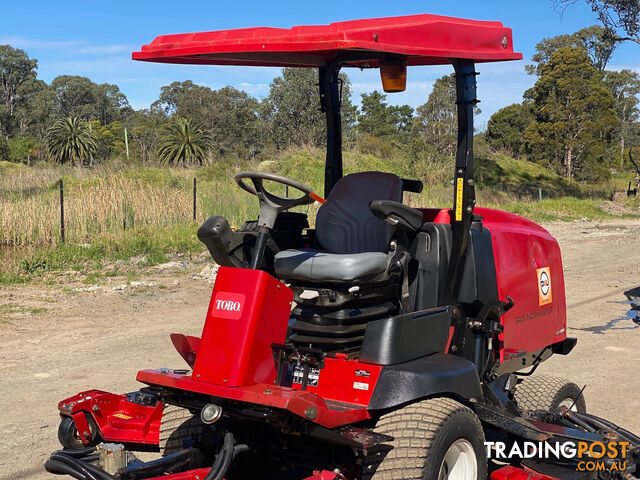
228, 305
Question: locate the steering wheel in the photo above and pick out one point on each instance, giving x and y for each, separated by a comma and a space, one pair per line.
270, 204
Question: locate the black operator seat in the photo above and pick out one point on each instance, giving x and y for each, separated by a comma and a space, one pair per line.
354, 243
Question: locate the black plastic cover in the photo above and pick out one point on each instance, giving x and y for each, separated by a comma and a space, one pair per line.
410, 185
437, 374
399, 215
406, 337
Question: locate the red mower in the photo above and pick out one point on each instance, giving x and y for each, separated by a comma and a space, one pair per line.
413, 333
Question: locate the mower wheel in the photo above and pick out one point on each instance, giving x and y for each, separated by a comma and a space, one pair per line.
437, 438
545, 392
69, 437
178, 425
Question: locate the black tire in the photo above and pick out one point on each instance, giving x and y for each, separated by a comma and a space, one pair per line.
423, 433
177, 426
69, 437
545, 392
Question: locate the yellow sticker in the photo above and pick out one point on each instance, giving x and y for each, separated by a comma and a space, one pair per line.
459, 188
122, 416
544, 285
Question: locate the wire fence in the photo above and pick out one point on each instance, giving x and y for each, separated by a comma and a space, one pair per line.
78, 210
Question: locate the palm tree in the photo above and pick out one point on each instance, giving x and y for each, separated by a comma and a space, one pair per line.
183, 141
71, 141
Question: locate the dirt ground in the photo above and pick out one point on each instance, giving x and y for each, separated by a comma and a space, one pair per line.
58, 340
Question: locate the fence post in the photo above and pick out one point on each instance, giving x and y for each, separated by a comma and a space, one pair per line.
61, 211
194, 198
540, 194
126, 142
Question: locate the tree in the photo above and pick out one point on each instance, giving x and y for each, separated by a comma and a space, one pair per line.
77, 96
36, 110
15, 69
574, 117
109, 139
230, 115
616, 15
234, 122
145, 132
23, 149
71, 141
625, 88
506, 127
292, 111
183, 142
185, 99
437, 118
379, 119
597, 41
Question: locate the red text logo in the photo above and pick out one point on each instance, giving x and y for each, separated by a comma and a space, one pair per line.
228, 305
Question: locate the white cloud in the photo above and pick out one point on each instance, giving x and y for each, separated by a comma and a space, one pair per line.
618, 67
104, 49
24, 42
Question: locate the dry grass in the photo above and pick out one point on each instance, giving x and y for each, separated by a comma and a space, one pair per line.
94, 205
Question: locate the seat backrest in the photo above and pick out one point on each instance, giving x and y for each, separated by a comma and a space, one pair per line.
345, 224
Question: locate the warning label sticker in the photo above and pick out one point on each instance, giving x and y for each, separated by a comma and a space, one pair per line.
298, 376
544, 285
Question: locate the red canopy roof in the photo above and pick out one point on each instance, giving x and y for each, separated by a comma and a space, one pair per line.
421, 39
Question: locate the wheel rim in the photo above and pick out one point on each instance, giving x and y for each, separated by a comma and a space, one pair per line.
460, 462
75, 436
569, 403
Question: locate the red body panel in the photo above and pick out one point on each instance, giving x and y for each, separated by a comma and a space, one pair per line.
347, 381
522, 249
423, 39
298, 402
197, 474
249, 311
514, 473
118, 419
187, 346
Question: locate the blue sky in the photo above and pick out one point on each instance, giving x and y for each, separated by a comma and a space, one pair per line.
95, 39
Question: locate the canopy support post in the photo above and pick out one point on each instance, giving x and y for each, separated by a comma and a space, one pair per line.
464, 197
330, 103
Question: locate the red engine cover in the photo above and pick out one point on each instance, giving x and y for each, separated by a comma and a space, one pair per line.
249, 310
529, 270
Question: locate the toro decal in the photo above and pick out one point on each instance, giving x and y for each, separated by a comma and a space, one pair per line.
228, 305
544, 285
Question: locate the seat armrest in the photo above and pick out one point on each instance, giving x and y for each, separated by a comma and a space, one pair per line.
397, 214
409, 185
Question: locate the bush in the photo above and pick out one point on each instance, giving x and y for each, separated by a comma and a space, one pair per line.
22, 149
4, 150
374, 146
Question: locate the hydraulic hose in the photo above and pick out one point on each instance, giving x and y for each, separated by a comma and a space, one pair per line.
223, 460
157, 467
78, 453
83, 470
605, 424
59, 468
217, 472
76, 464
